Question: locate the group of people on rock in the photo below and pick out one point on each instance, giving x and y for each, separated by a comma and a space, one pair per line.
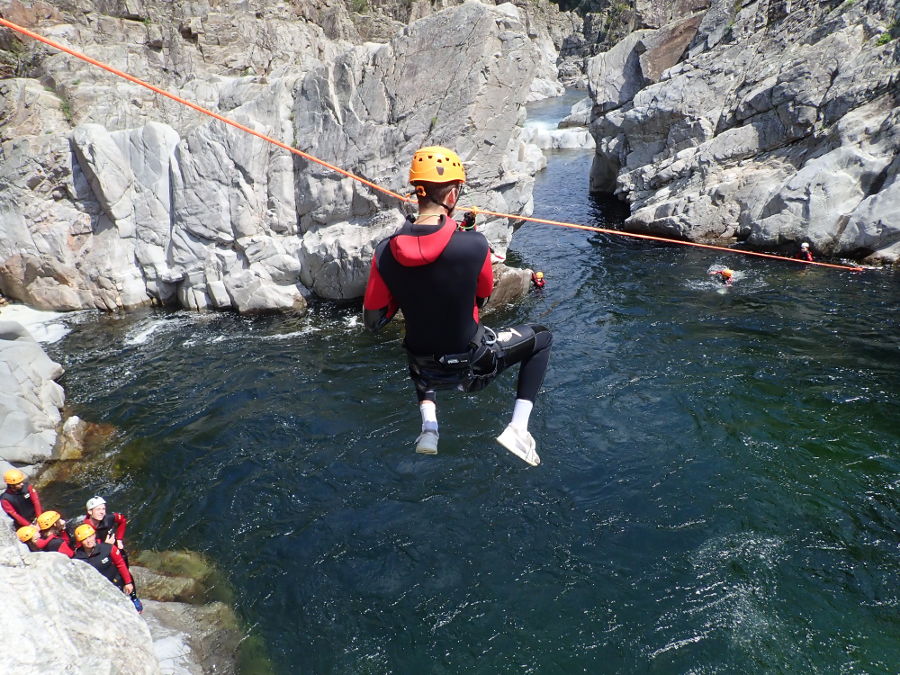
97, 537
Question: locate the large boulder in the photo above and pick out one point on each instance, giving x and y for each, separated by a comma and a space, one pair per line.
62, 616
30, 399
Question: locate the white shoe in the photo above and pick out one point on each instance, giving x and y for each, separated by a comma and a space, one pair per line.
426, 443
520, 443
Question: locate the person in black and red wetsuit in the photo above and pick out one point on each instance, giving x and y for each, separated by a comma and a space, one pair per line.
110, 527
103, 557
20, 501
804, 253
440, 276
53, 536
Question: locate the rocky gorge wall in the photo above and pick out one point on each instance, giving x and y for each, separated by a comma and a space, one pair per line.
760, 121
113, 197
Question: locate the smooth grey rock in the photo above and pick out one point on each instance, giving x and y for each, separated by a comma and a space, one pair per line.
579, 114
30, 400
614, 77
193, 639
67, 616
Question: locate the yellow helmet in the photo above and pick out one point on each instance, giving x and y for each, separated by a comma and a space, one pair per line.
82, 532
436, 164
26, 533
14, 477
47, 519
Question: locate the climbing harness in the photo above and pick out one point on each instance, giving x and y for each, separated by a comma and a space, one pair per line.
471, 370
391, 193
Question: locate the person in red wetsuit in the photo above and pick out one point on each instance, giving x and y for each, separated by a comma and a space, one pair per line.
53, 535
440, 275
103, 557
804, 253
20, 501
725, 275
110, 527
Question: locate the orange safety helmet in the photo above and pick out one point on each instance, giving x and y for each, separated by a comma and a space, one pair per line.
27, 533
14, 477
82, 532
436, 164
47, 519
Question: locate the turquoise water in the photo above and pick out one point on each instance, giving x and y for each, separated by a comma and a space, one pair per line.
718, 493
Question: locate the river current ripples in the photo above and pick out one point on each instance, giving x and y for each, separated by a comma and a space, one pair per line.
718, 492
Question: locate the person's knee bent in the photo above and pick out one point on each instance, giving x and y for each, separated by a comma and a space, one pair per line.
543, 338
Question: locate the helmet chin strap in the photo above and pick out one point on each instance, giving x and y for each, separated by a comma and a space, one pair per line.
422, 192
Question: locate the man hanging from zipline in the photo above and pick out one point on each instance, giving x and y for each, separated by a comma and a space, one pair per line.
440, 276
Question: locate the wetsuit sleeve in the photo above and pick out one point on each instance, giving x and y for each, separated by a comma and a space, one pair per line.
65, 548
38, 510
12, 513
379, 305
121, 524
485, 281
119, 562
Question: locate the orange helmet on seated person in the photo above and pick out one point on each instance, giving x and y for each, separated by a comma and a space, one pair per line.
27, 533
82, 532
47, 519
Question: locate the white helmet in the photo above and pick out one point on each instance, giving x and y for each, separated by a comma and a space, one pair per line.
94, 502
804, 245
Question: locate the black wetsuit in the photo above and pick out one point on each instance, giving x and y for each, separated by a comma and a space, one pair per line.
107, 560
440, 276
22, 506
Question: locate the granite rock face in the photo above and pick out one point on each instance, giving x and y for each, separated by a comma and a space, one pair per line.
63, 616
767, 122
30, 399
113, 197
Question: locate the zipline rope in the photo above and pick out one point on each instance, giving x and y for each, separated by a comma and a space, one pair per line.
384, 190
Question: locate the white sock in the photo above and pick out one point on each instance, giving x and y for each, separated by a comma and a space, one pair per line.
429, 416
521, 413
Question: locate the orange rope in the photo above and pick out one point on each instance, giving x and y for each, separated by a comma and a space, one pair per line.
374, 186
666, 240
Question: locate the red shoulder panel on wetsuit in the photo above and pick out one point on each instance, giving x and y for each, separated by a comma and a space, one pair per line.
417, 250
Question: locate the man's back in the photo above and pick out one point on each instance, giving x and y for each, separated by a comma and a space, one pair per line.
435, 273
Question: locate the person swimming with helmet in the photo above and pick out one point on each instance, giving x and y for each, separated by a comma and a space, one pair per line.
724, 275
440, 276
